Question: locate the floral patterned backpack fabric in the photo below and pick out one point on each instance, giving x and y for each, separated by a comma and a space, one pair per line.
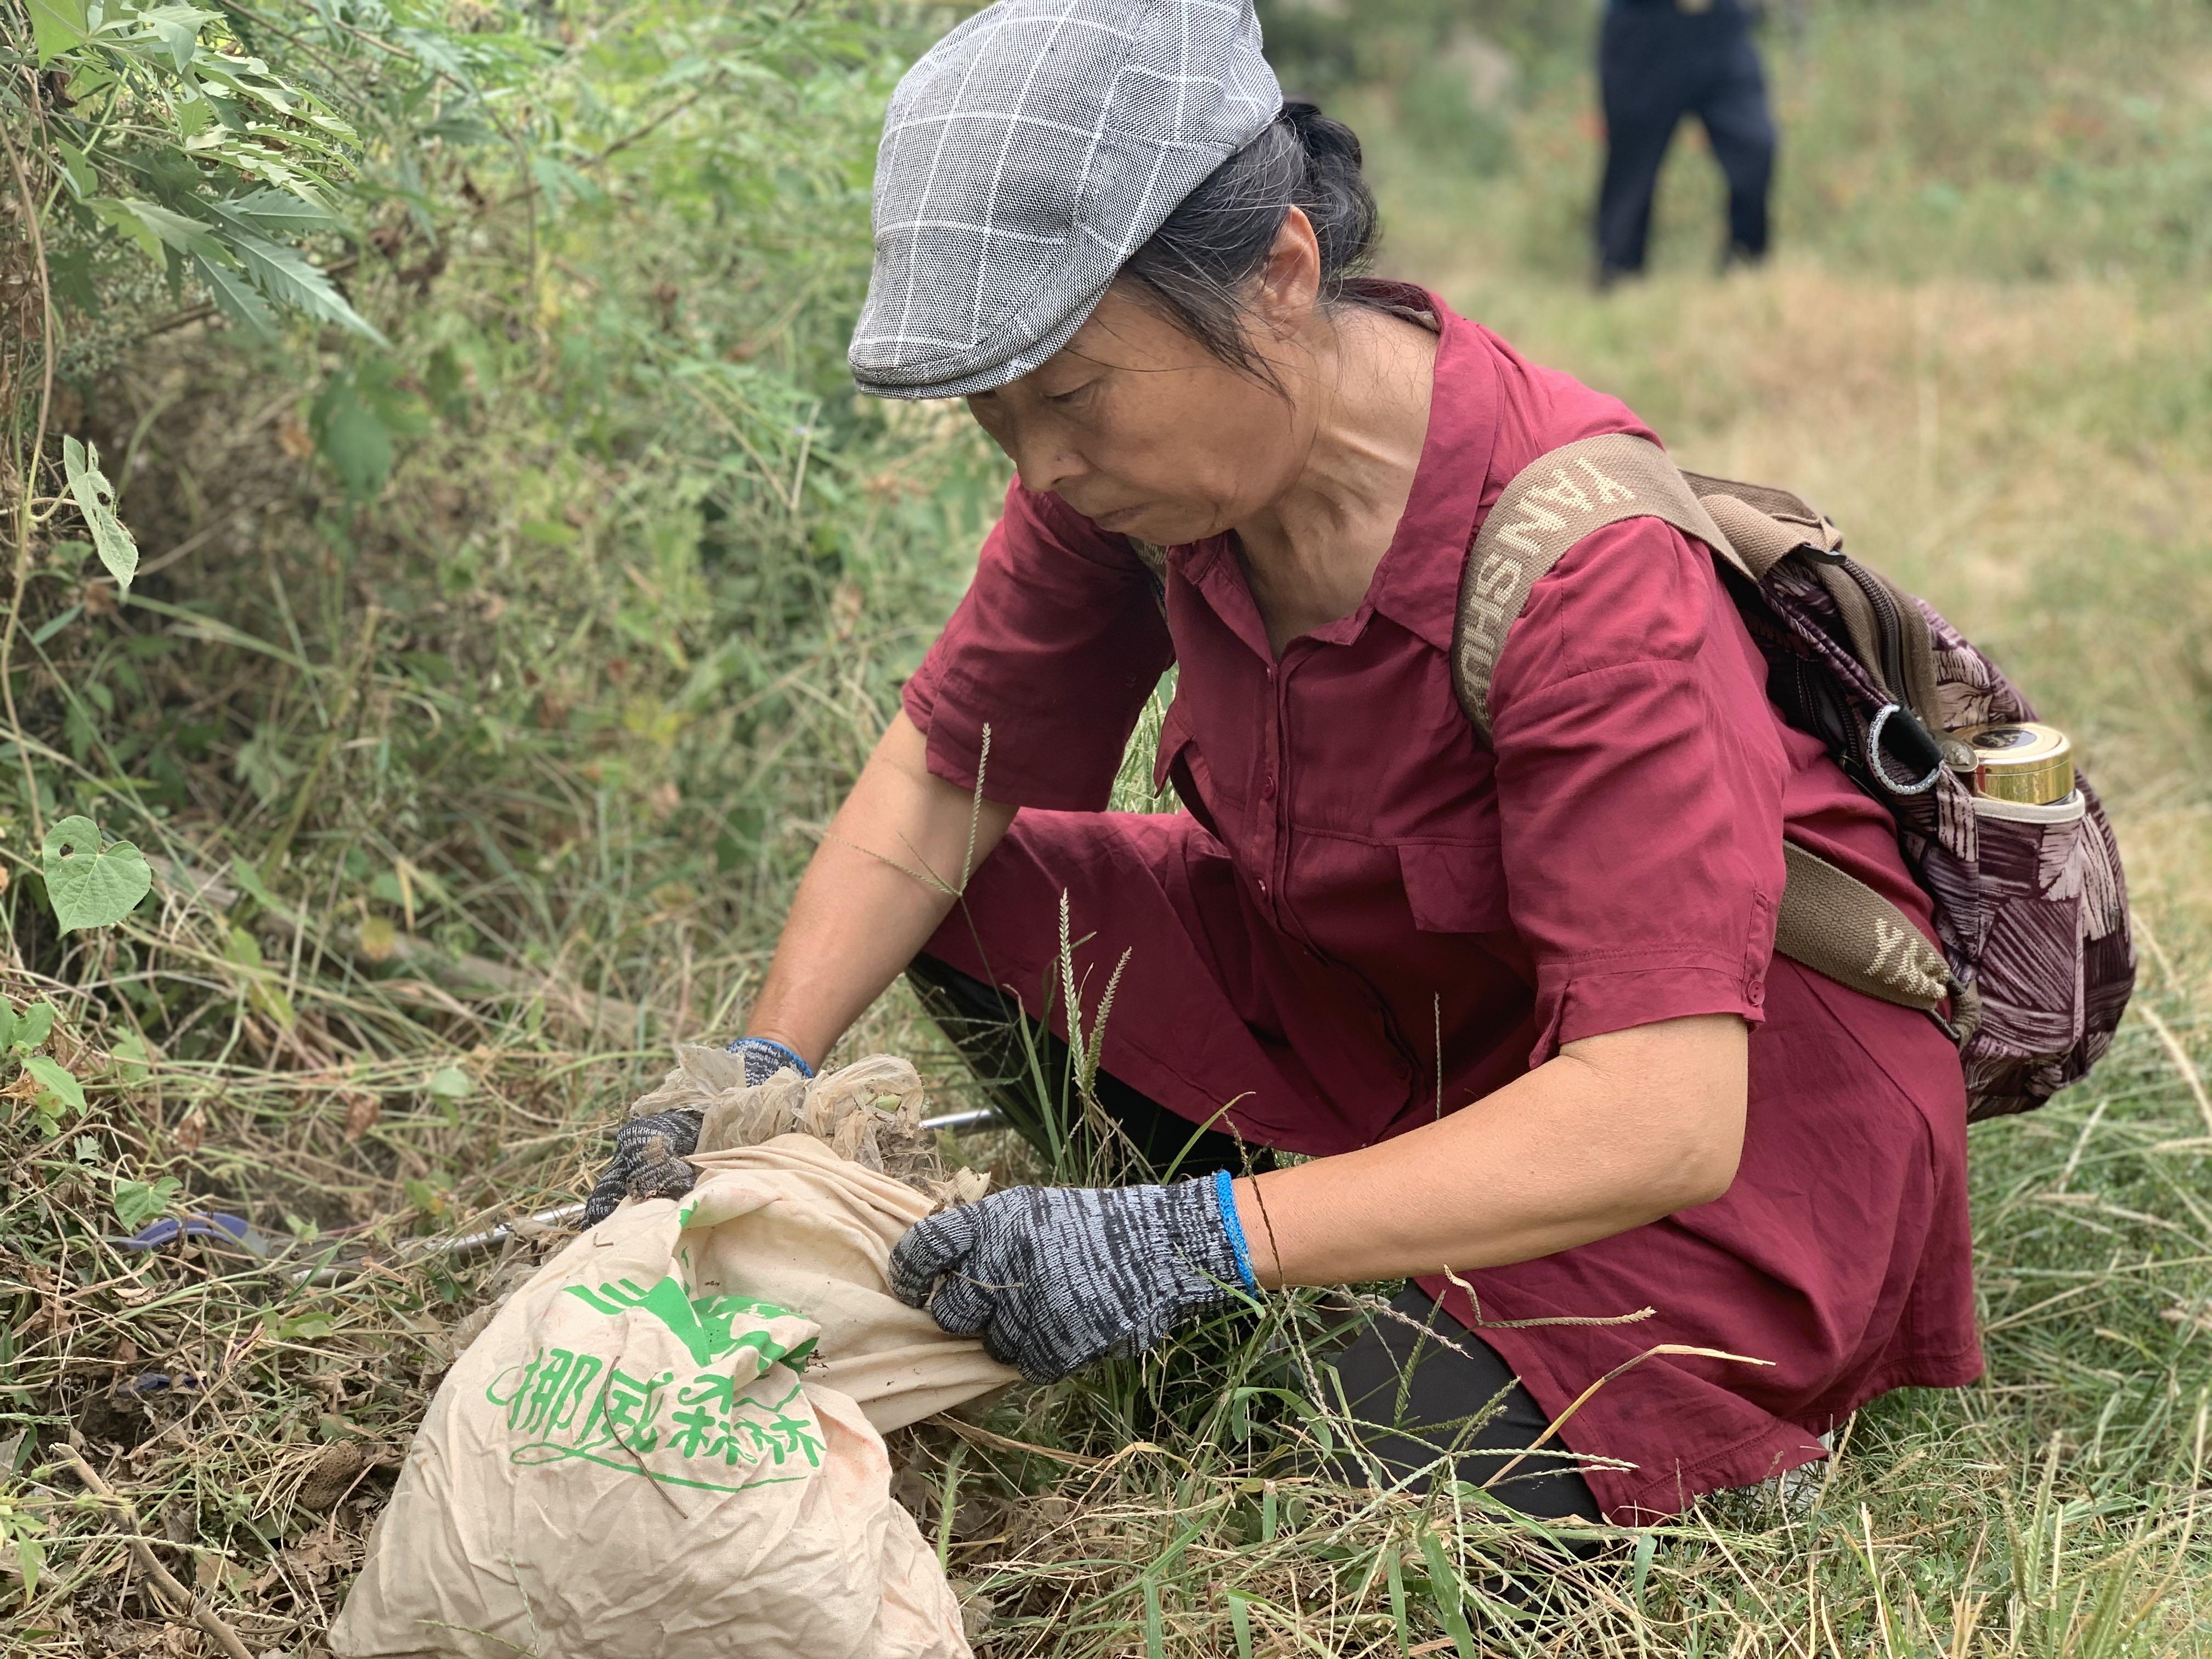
2036, 961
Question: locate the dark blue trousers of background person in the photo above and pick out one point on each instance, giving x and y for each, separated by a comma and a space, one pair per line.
1659, 60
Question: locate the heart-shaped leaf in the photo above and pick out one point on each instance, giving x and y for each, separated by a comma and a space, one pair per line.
89, 884
137, 1202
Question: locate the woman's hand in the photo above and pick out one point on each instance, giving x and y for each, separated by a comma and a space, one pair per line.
650, 1151
1052, 1277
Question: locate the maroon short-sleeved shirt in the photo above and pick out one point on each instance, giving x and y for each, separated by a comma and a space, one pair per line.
1364, 917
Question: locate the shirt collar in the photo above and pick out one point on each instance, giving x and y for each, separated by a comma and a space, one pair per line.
1416, 583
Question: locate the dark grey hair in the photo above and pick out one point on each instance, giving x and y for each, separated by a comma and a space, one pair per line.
1197, 266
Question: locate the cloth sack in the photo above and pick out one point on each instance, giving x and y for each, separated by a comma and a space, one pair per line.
814, 1232
669, 1442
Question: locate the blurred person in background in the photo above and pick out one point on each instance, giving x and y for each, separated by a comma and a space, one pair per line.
1658, 61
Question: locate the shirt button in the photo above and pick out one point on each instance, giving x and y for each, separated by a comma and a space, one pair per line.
1262, 886
1267, 787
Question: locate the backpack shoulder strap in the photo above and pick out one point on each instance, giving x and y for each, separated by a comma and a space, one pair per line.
1830, 921
1552, 503
1836, 925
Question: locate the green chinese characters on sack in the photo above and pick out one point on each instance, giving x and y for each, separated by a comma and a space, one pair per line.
702, 1323
725, 1427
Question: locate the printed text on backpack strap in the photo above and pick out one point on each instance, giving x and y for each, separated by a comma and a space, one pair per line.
1836, 925
1830, 921
1552, 503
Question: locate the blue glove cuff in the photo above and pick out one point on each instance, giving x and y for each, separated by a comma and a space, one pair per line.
774, 1048
1225, 1200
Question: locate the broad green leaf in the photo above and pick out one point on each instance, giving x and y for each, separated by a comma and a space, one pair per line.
130, 1057
404, 414
194, 116
117, 216
33, 1025
261, 989
1647, 1548
1444, 1588
245, 950
247, 155
177, 27
96, 499
439, 53
264, 89
451, 1083
54, 1077
234, 296
30, 1558
178, 230
57, 26
137, 1202
286, 277
90, 884
353, 440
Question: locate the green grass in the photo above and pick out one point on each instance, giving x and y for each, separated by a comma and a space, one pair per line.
519, 756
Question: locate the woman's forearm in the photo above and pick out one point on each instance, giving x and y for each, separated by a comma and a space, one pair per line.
1615, 1132
887, 873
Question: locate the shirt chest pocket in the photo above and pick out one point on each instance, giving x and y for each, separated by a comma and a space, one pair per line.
1454, 887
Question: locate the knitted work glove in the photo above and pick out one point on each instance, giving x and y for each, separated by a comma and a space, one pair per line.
1053, 1278
650, 1150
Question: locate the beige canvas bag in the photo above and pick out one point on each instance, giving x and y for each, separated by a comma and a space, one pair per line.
669, 1442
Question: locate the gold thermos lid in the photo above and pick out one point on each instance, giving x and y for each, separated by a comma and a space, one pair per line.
2020, 761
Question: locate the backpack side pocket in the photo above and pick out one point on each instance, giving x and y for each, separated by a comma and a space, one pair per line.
2033, 866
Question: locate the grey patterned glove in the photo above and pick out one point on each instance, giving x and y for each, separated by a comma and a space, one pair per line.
650, 1150
1053, 1278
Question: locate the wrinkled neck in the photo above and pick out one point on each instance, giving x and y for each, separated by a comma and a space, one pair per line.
1363, 415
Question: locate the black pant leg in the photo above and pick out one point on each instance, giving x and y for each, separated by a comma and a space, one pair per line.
1395, 1373
1023, 1065
1643, 65
1741, 127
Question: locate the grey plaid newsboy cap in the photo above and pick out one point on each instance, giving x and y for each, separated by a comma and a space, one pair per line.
1028, 155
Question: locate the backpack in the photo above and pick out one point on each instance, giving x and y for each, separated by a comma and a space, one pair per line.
2031, 906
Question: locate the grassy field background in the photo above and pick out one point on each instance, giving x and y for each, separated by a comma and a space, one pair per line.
483, 697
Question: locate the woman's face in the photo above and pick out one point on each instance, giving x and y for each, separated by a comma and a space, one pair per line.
1139, 427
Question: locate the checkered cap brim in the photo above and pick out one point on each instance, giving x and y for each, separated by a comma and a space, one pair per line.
1027, 155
